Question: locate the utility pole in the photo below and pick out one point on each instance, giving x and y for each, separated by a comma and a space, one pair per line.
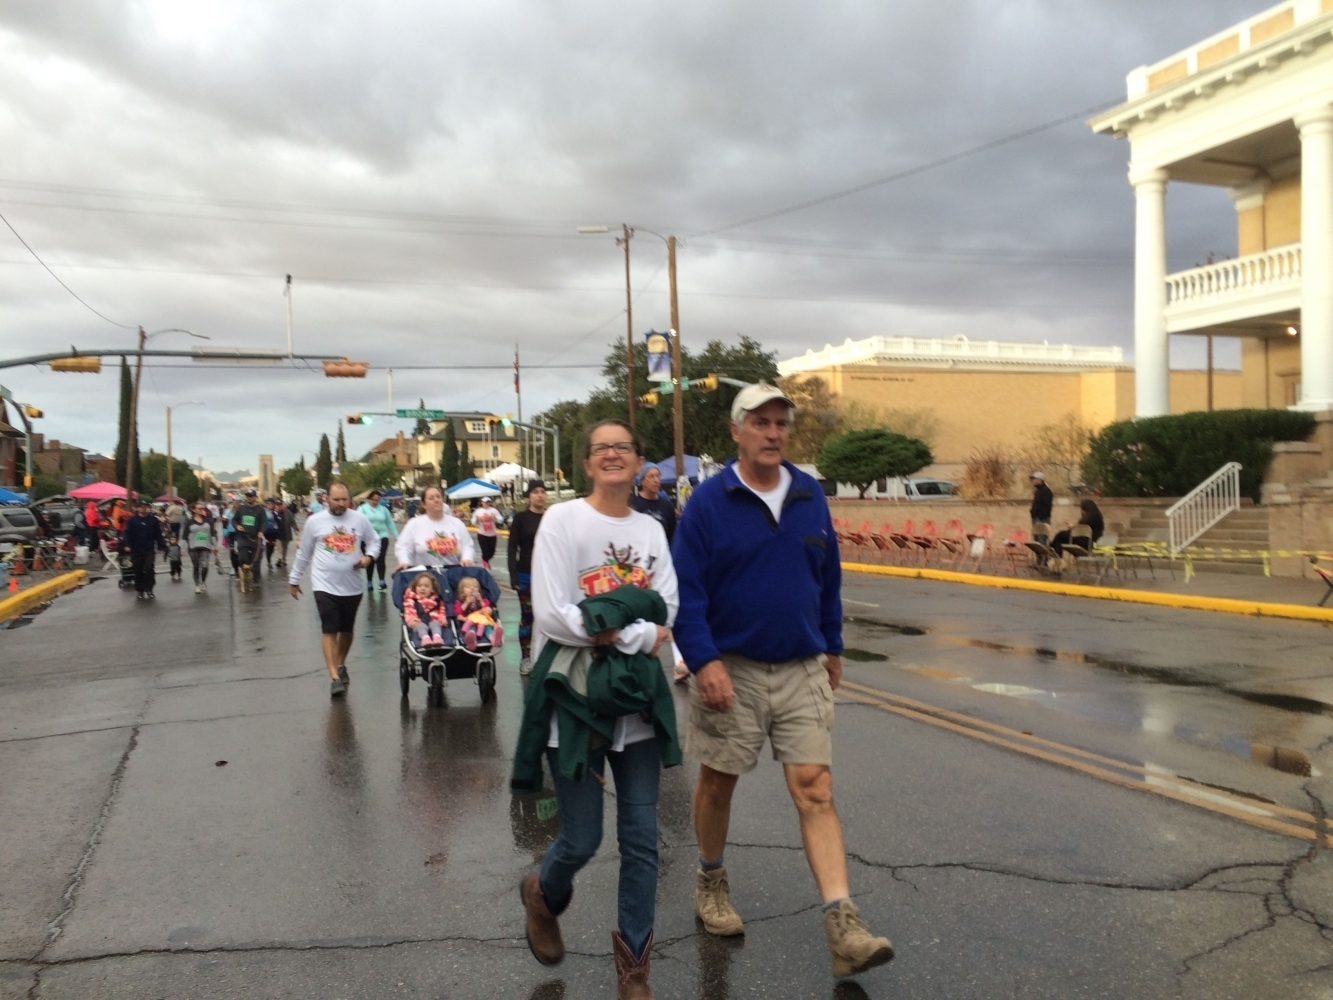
518, 427
1210, 373
623, 241
130, 448
677, 397
171, 480
287, 292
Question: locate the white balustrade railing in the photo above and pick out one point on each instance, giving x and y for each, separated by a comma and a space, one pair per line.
1205, 505
1253, 272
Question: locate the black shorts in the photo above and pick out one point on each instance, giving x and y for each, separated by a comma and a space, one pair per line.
336, 612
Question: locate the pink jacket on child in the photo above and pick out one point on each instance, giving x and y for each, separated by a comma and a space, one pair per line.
432, 606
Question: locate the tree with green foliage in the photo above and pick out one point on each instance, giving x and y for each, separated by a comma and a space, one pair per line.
184, 481
123, 444
324, 463
379, 475
449, 458
340, 454
422, 428
466, 467
862, 457
297, 480
46, 486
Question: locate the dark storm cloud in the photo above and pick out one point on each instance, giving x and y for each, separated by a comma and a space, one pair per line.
406, 132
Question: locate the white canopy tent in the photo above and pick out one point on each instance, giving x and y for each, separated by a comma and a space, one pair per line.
511, 472
471, 489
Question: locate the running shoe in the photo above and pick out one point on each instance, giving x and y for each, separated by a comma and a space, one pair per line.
342, 675
337, 689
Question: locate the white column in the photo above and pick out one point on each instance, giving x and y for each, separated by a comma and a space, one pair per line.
1152, 378
1316, 126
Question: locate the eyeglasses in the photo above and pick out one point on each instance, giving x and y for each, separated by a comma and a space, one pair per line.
619, 447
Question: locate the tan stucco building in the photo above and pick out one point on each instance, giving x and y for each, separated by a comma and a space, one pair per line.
980, 393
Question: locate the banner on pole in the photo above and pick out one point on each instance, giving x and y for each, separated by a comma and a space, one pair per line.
659, 356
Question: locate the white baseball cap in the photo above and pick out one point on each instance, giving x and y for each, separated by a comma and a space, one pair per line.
754, 396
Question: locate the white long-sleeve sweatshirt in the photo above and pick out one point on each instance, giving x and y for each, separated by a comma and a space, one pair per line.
580, 553
424, 542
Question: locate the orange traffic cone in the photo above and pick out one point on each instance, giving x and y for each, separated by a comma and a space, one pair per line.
13, 584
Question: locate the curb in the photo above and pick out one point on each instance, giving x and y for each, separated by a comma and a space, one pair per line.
1226, 605
26, 600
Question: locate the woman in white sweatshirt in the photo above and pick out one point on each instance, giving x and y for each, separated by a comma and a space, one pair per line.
434, 538
585, 548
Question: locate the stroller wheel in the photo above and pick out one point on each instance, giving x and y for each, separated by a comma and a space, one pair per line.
437, 684
486, 681
404, 675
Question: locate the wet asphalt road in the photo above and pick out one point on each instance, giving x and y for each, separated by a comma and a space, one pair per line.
370, 848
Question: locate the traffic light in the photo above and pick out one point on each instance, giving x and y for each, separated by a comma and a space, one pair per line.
359, 419
706, 384
32, 412
650, 398
93, 365
346, 369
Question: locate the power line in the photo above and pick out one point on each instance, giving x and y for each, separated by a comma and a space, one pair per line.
57, 277
911, 171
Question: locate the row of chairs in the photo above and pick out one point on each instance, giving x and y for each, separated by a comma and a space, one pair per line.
955, 548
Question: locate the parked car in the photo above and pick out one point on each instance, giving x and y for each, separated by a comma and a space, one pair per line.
918, 488
61, 511
16, 524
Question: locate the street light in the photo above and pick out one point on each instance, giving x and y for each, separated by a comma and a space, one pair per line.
144, 338
171, 479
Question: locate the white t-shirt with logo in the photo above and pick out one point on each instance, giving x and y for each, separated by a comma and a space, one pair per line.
486, 519
580, 553
775, 497
331, 547
425, 542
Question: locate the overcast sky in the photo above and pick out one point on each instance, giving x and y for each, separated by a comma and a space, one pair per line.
420, 169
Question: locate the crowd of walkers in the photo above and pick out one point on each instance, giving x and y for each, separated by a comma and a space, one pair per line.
744, 590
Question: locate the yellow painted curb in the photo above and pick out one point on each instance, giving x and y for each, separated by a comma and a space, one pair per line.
26, 600
1225, 604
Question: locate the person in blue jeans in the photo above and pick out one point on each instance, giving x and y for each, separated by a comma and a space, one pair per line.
585, 548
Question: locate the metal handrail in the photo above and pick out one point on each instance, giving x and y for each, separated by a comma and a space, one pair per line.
1205, 505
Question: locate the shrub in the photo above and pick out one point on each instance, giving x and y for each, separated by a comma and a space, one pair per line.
987, 476
861, 457
1169, 456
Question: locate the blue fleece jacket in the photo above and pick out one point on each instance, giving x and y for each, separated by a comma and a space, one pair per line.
769, 590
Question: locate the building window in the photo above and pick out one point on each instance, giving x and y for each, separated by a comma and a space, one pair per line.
476, 426
495, 451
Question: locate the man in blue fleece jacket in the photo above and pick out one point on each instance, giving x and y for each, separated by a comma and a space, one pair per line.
760, 627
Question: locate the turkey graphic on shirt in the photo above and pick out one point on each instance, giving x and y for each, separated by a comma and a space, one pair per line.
340, 542
622, 567
442, 544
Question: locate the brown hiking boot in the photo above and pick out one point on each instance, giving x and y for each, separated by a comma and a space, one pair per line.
631, 972
712, 903
543, 928
850, 945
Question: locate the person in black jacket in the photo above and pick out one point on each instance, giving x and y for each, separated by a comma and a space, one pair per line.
142, 539
1040, 511
1091, 516
522, 538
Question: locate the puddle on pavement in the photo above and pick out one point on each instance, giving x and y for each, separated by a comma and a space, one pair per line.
862, 655
887, 626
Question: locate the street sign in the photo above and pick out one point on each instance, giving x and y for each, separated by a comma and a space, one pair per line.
422, 414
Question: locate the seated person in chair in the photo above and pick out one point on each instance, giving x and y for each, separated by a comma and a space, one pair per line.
1092, 517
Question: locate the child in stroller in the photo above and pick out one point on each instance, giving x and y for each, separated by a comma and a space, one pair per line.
424, 612
477, 624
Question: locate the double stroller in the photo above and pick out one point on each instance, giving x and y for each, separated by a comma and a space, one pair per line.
453, 659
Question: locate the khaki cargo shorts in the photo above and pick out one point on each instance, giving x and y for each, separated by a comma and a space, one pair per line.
790, 704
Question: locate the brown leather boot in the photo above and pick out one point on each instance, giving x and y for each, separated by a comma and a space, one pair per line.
544, 939
631, 972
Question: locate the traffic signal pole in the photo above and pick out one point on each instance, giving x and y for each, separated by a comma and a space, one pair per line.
677, 397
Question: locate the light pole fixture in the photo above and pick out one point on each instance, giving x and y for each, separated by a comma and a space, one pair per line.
144, 338
171, 479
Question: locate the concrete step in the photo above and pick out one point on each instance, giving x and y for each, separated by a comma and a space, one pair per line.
1236, 568
1240, 518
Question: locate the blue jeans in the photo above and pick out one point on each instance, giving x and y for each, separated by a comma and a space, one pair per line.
637, 770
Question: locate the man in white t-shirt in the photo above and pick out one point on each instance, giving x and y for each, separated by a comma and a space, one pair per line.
331, 546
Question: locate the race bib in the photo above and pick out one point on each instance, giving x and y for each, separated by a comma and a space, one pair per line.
248, 520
